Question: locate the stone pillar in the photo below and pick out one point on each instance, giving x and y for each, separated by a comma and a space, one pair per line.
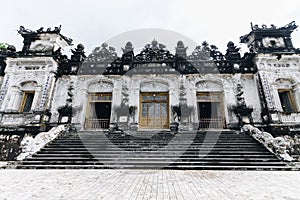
83, 101
116, 102
296, 91
228, 100
37, 97
134, 105
15, 101
193, 102
134, 100
276, 99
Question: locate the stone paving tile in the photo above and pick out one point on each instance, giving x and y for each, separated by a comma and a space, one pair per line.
148, 184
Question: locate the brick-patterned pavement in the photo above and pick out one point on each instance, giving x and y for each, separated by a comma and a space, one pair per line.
148, 184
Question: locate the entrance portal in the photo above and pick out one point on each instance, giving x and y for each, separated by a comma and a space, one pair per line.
99, 111
154, 112
210, 111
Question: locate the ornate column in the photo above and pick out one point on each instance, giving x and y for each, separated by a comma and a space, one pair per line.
37, 97
296, 91
80, 116
193, 103
15, 101
274, 93
134, 103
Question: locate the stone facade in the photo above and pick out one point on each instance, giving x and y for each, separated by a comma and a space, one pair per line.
41, 87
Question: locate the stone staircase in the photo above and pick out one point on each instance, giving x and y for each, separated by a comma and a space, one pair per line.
162, 150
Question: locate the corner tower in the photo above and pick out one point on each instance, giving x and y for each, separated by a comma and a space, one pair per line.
270, 39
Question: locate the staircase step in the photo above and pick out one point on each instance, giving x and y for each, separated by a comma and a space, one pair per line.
87, 154
152, 162
190, 150
131, 159
194, 167
152, 148
163, 152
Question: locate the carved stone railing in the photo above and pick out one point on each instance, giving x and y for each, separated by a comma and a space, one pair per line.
30, 145
24, 118
96, 123
289, 118
278, 145
16, 119
211, 123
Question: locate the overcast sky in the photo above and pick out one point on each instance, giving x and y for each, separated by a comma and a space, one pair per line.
91, 22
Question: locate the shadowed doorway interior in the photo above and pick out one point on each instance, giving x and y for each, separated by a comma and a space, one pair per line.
99, 111
210, 110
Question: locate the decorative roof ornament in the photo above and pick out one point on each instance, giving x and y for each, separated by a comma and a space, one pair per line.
5, 50
181, 49
232, 52
128, 48
290, 27
103, 53
22, 30
154, 52
43, 42
215, 53
201, 52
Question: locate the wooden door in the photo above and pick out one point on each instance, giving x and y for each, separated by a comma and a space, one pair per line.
154, 110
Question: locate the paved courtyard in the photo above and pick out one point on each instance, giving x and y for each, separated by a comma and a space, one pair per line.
148, 184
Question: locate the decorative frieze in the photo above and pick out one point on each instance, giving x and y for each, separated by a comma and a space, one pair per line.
209, 86
100, 86
4, 88
290, 118
29, 62
154, 87
44, 92
266, 89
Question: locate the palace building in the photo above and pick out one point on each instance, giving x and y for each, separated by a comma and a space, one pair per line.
153, 89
